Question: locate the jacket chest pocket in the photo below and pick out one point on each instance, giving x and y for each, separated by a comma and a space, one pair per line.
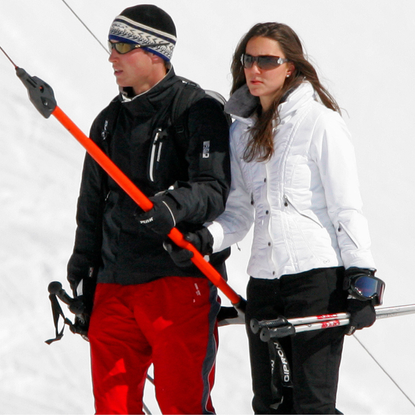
156, 149
166, 164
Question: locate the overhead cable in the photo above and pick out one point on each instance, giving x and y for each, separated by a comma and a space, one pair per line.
86, 27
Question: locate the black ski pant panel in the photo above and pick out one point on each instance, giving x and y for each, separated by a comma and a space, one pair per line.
264, 302
314, 356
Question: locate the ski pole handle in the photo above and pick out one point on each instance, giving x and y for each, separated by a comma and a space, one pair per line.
76, 305
55, 288
267, 334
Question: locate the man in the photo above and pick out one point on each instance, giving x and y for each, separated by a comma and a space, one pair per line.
146, 309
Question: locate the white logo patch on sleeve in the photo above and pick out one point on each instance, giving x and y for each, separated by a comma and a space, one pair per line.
206, 149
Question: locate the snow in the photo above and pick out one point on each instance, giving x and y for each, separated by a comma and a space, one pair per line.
364, 52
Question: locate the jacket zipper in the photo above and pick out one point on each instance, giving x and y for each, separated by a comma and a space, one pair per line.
288, 202
155, 153
342, 227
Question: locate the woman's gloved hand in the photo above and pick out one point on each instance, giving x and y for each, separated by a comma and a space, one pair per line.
365, 291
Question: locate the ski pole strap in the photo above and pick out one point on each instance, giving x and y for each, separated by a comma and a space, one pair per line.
57, 313
280, 372
80, 326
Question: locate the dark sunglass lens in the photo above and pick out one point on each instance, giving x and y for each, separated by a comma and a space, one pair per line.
268, 62
121, 47
263, 62
247, 61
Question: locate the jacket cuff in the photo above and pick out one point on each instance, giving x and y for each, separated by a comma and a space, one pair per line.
217, 233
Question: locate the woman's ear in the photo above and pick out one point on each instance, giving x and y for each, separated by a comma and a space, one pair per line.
291, 69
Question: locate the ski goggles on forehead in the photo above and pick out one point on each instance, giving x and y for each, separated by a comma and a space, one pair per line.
123, 47
263, 62
366, 287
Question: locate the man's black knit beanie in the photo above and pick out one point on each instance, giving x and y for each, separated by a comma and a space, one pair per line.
146, 25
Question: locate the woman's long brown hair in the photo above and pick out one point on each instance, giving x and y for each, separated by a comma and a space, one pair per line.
261, 145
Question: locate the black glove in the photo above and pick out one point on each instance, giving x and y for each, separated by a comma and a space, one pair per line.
82, 302
362, 311
362, 314
201, 239
162, 217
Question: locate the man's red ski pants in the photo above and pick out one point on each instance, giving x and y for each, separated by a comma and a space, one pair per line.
170, 323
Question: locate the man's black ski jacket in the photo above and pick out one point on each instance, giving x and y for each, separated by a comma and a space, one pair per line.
139, 139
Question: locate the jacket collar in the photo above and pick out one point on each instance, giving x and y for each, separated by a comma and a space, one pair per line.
151, 101
297, 98
242, 104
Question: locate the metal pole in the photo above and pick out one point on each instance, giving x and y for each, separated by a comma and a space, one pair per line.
274, 329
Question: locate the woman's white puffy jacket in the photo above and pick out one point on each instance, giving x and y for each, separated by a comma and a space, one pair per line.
305, 201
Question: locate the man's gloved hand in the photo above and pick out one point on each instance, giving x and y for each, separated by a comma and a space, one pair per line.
82, 304
161, 219
361, 309
201, 239
78, 305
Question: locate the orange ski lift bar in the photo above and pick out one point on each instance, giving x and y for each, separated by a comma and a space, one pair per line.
42, 97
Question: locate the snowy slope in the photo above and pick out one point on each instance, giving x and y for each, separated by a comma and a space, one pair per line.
365, 52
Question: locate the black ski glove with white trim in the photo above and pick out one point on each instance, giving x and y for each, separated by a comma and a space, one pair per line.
201, 239
161, 219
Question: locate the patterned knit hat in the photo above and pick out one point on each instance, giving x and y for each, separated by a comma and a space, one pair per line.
146, 25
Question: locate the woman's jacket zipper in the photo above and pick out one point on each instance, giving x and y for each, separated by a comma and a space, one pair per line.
287, 202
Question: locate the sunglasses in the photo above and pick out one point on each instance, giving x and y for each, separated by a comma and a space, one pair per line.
367, 288
263, 62
122, 47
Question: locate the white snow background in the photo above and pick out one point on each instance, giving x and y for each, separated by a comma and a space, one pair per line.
365, 54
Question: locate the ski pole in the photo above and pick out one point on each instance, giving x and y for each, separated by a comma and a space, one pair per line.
381, 312
281, 327
42, 97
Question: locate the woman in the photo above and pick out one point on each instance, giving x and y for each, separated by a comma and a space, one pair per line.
293, 176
